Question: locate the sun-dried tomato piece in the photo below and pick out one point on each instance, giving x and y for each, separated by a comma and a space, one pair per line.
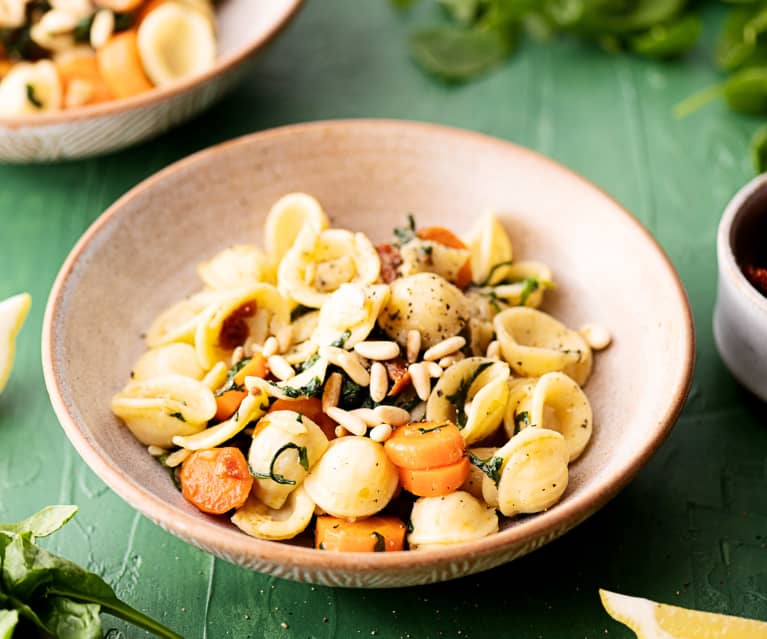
398, 374
391, 260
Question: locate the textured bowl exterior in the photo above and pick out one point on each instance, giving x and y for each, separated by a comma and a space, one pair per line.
369, 175
99, 129
740, 313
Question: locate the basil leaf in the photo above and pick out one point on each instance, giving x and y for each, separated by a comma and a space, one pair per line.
42, 523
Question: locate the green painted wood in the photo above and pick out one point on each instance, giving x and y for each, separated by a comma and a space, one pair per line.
690, 530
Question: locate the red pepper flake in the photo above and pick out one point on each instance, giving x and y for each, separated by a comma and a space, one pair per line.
757, 276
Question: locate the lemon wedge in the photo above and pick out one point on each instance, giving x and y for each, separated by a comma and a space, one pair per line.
651, 620
13, 312
286, 219
175, 41
489, 245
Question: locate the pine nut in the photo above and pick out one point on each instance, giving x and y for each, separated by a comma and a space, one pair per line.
418, 413
494, 350
340, 431
467, 407
434, 369
280, 367
367, 415
285, 338
393, 415
381, 433
155, 451
271, 346
331, 394
596, 335
301, 352
215, 377
57, 22
354, 369
447, 362
102, 28
350, 422
177, 458
379, 382
380, 351
238, 354
413, 345
421, 380
445, 347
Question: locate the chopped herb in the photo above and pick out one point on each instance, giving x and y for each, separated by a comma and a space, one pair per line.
312, 389
321, 546
171, 471
521, 419
303, 459
32, 97
495, 301
82, 31
425, 252
124, 21
309, 362
341, 341
298, 311
458, 399
352, 394
490, 466
488, 279
178, 416
409, 525
423, 431
380, 542
300, 418
529, 286
230, 384
406, 234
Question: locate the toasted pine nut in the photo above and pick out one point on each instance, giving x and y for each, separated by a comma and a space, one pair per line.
434, 369
381, 433
393, 415
155, 451
102, 28
367, 415
494, 350
331, 394
340, 431
380, 351
332, 354
354, 369
285, 338
447, 362
413, 345
280, 367
596, 335
177, 458
350, 422
271, 346
445, 347
467, 407
421, 380
238, 355
58, 22
215, 377
379, 382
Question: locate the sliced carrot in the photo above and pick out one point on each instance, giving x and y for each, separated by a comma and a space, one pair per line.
86, 69
374, 534
435, 482
216, 480
311, 407
447, 238
227, 403
120, 65
423, 445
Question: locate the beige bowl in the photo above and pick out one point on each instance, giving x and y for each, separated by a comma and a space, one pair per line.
243, 27
141, 254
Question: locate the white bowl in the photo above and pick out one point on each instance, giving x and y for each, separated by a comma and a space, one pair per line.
243, 27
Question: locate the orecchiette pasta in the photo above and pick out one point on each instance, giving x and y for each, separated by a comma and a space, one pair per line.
366, 372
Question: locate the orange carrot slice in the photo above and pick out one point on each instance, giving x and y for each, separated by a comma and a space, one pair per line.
229, 401
120, 66
423, 445
435, 482
216, 480
374, 534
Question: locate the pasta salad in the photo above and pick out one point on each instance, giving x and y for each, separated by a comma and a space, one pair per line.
62, 54
384, 397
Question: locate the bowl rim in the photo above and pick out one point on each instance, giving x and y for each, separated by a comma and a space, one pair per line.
233, 543
157, 94
728, 265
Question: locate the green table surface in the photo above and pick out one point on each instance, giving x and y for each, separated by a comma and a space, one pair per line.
691, 529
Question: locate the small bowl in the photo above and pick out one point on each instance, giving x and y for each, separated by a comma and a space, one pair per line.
141, 254
740, 314
243, 28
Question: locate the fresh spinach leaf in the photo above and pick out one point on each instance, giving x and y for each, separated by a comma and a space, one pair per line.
759, 150
303, 459
668, 40
312, 389
490, 466
43, 523
68, 619
458, 398
230, 383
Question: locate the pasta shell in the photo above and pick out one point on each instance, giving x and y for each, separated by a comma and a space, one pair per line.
473, 483
452, 519
559, 404
251, 409
308, 383
354, 478
172, 359
517, 408
318, 263
534, 472
349, 314
286, 219
258, 520
489, 245
427, 303
178, 323
237, 267
472, 394
425, 256
281, 441
242, 318
520, 283
157, 409
175, 42
30, 88
534, 343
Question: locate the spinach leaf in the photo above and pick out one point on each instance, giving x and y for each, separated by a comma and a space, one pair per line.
746, 91
230, 383
490, 466
521, 419
458, 399
299, 311
529, 286
668, 40
43, 523
303, 459
312, 389
406, 234
352, 394
340, 342
68, 619
8, 621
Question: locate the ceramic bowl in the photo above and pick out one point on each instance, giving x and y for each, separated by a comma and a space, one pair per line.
740, 314
141, 254
243, 28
